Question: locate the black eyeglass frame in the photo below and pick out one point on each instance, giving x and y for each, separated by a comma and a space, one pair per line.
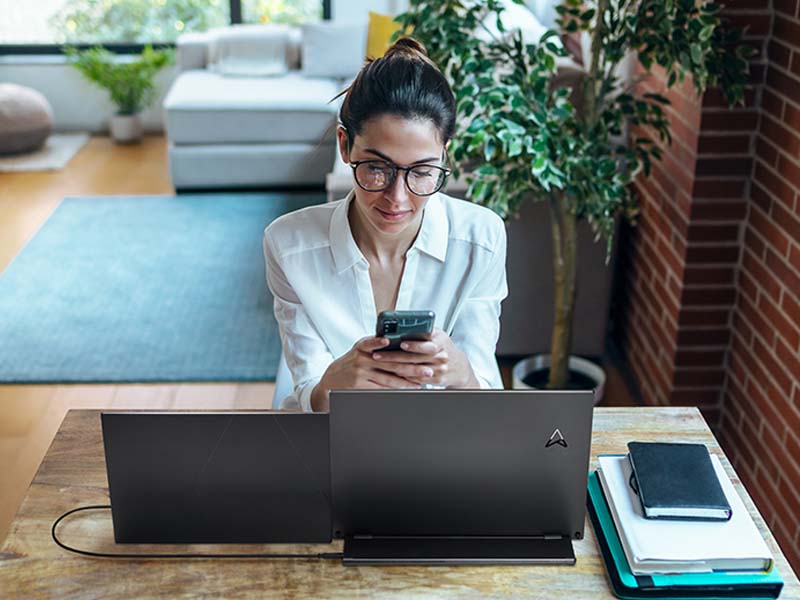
395, 168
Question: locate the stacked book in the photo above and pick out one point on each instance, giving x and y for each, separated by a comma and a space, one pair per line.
670, 524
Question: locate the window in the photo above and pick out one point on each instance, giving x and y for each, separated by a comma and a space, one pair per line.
42, 25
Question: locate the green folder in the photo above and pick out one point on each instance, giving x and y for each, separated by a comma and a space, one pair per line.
687, 586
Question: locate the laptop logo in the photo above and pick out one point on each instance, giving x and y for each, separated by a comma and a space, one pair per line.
556, 438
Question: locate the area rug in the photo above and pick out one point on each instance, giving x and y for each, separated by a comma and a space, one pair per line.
57, 151
144, 289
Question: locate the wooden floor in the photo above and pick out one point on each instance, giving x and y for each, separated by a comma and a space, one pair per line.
31, 414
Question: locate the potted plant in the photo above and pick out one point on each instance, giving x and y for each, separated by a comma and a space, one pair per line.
535, 126
129, 82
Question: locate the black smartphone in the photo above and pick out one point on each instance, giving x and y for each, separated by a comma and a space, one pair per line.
401, 325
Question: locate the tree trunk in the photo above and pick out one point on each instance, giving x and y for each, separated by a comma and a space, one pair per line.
564, 269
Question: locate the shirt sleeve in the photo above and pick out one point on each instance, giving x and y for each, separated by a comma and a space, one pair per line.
306, 354
477, 327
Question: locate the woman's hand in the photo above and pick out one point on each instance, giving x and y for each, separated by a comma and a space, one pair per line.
447, 365
359, 370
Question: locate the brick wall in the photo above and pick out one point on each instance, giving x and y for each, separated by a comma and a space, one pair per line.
760, 427
708, 309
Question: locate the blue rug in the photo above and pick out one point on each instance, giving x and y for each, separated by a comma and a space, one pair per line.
144, 288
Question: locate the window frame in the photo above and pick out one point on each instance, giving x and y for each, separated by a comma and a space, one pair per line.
117, 48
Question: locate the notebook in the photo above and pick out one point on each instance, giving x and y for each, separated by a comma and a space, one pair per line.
677, 481
685, 585
661, 546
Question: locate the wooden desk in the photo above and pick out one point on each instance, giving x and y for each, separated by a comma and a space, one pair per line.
73, 474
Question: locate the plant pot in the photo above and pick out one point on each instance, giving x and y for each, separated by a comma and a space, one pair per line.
584, 374
126, 129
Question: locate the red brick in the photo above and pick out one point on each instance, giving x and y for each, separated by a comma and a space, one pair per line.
788, 357
787, 221
717, 211
714, 98
708, 296
743, 120
766, 151
712, 187
703, 317
708, 275
789, 170
784, 327
760, 196
771, 103
740, 167
695, 397
775, 449
779, 54
794, 257
755, 24
698, 377
765, 409
786, 30
791, 307
780, 135
699, 358
704, 337
782, 83
791, 116
712, 254
763, 276
766, 228
713, 233
755, 319
766, 357
787, 7
747, 286
774, 184
784, 273
723, 144
796, 63
753, 242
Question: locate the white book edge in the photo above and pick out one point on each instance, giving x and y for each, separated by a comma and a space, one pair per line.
653, 546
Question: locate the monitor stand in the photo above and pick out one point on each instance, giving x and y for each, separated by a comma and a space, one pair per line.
374, 550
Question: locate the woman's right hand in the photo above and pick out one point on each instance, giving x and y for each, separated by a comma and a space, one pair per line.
357, 370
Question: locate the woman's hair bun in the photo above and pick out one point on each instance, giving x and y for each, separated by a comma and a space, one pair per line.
408, 47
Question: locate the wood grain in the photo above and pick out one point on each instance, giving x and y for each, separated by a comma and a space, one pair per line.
73, 474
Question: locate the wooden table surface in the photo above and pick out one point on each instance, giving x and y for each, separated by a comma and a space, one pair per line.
73, 474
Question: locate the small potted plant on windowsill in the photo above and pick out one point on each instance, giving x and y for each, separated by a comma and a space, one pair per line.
538, 132
130, 83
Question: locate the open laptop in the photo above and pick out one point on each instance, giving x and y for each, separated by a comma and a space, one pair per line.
459, 477
218, 477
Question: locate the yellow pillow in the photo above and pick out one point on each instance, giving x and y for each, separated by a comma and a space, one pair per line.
381, 28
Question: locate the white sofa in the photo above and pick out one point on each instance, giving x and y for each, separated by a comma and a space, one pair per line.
251, 106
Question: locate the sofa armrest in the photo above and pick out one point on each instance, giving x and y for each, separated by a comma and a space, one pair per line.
192, 51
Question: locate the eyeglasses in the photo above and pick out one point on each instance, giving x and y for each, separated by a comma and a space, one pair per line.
379, 175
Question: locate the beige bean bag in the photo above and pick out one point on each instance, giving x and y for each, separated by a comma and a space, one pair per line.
26, 119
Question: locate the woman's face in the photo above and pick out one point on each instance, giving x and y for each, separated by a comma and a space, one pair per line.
404, 142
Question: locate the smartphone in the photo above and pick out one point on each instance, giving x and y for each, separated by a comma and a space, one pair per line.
401, 325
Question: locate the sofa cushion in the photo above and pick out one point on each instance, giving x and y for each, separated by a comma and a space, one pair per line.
333, 49
203, 107
249, 50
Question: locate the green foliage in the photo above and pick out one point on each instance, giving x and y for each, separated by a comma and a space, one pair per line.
130, 82
284, 12
135, 21
534, 139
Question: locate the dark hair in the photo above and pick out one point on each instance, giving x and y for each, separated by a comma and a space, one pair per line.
403, 82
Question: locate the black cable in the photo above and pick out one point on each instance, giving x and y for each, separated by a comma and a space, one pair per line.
320, 555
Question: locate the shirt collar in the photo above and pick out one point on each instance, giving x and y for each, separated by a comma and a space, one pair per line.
432, 237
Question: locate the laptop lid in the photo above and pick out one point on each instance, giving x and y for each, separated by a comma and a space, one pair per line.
218, 477
460, 462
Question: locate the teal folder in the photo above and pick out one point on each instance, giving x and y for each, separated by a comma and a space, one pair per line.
688, 586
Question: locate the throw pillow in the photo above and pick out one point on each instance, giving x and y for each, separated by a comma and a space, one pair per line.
381, 29
333, 49
250, 50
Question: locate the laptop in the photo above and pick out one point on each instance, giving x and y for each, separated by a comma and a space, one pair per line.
218, 477
459, 476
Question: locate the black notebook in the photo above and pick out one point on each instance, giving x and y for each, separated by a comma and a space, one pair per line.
677, 481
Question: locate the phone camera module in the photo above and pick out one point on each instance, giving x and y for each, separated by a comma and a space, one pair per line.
390, 327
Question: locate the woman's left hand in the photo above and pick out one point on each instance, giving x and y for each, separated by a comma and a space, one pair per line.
448, 366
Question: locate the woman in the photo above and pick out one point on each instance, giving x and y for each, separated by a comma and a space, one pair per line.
394, 243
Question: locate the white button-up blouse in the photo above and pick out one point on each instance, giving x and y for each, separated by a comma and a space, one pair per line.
324, 301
